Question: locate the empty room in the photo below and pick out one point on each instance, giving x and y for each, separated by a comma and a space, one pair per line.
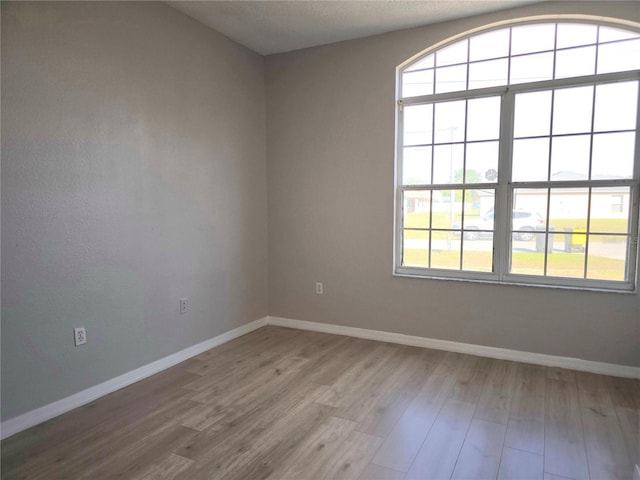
367, 240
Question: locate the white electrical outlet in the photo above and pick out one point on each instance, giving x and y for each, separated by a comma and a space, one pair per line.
79, 336
319, 290
183, 305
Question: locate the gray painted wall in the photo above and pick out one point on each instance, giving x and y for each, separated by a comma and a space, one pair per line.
330, 150
134, 174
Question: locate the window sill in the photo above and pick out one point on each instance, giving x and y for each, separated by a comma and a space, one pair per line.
631, 290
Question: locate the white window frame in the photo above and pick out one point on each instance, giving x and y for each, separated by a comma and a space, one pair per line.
504, 187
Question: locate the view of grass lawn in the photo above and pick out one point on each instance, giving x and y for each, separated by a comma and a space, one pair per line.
560, 264
444, 220
604, 263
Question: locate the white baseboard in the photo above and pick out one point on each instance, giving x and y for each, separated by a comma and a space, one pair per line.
42, 414
480, 350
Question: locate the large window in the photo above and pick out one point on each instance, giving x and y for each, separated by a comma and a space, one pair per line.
517, 158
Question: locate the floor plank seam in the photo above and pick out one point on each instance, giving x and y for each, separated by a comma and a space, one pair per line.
455, 414
430, 428
584, 440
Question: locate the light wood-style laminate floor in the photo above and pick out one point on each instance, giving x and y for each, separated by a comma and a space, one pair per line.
288, 404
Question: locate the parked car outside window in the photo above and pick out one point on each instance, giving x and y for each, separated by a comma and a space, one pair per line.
525, 223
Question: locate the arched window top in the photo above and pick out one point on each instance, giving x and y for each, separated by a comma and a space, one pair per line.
522, 54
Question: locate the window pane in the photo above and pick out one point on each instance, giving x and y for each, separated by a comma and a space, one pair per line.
570, 157
530, 160
612, 155
575, 34
607, 257
532, 38
418, 124
572, 110
451, 79
567, 264
610, 210
529, 211
415, 248
416, 209
479, 211
568, 208
575, 62
483, 119
487, 201
532, 114
525, 260
616, 106
529, 239
446, 209
426, 62
490, 73
456, 53
417, 83
489, 45
532, 68
608, 34
445, 250
450, 119
477, 254
619, 56
448, 163
482, 162
416, 166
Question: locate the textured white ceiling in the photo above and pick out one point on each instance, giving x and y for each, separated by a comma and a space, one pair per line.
279, 26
